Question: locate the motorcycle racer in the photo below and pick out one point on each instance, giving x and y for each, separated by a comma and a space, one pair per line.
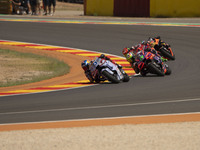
88, 68
107, 58
162, 48
85, 66
131, 54
142, 55
143, 46
157, 43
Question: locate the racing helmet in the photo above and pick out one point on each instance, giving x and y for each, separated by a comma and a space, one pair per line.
151, 42
143, 42
125, 51
150, 39
85, 65
130, 57
102, 56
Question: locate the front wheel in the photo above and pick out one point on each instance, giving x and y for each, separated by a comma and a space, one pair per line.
126, 77
153, 69
167, 54
110, 77
168, 72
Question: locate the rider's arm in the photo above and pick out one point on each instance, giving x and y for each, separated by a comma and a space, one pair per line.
15, 3
88, 75
154, 51
107, 58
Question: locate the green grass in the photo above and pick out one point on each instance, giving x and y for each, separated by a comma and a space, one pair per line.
21, 68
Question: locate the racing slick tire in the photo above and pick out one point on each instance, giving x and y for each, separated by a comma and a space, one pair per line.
143, 73
126, 77
153, 69
168, 72
167, 54
110, 77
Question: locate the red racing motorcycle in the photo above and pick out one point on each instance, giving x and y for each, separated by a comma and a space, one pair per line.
148, 62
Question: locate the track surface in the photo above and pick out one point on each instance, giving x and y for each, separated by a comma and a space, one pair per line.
140, 96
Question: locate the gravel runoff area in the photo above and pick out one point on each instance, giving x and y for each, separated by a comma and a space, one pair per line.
165, 136
168, 136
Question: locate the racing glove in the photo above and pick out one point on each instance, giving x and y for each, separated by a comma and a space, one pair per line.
163, 59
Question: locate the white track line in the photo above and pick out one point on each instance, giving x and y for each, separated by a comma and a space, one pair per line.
105, 118
99, 107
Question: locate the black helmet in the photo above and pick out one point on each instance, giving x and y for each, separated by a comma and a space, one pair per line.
102, 56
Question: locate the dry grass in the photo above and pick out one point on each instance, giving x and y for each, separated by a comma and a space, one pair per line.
20, 68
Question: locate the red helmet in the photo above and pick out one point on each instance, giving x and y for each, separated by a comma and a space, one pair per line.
125, 51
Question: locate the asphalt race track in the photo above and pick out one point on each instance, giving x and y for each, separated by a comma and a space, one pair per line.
177, 93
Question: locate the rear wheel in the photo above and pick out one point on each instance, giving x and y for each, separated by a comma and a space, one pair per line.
110, 77
153, 69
